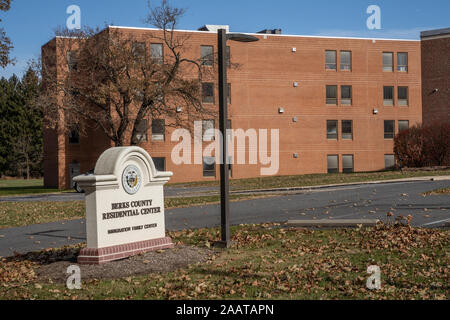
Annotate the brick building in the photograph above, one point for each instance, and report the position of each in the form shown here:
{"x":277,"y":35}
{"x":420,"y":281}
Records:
{"x":337,"y":102}
{"x":436,"y":75}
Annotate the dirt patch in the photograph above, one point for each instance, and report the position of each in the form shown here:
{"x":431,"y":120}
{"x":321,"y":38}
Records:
{"x":150,"y":262}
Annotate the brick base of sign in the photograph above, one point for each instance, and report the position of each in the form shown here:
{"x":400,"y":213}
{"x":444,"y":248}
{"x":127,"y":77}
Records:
{"x":104,"y":255}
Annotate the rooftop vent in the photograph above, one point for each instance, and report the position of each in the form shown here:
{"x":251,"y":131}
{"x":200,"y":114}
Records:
{"x":214,"y":27}
{"x":270,"y":31}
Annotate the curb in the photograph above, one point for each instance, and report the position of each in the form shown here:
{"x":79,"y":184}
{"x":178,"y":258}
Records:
{"x":338,"y":223}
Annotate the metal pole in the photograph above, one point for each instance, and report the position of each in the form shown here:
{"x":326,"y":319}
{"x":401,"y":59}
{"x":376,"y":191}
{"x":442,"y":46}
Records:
{"x":223,"y":117}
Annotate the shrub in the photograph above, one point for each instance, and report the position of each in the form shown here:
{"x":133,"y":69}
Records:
{"x":437,"y":144}
{"x":423,"y":146}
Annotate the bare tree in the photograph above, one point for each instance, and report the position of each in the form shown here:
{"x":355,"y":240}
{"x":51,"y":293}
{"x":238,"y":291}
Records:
{"x":5,"y":42}
{"x":115,"y":81}
{"x":27,"y":155}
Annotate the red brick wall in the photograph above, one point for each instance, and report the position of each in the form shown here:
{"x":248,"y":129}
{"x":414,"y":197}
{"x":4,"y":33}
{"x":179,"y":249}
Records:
{"x":436,"y":75}
{"x":264,"y":82}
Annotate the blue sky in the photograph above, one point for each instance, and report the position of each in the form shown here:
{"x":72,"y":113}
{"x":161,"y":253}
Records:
{"x":30,"y":23}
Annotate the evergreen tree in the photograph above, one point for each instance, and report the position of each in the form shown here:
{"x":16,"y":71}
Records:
{"x":10,"y":102}
{"x":27,"y":144}
{"x":20,"y":126}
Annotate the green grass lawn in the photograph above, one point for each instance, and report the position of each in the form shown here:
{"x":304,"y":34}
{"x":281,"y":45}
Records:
{"x":315,"y":179}
{"x":16,"y":214}
{"x":23,"y":187}
{"x":268,"y":262}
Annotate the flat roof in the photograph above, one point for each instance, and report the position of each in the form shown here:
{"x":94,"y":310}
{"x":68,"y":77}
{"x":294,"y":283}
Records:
{"x":270,"y":35}
{"x":436,"y":32}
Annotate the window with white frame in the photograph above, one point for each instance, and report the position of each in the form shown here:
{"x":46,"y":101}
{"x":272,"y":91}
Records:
{"x":330,"y":60}
{"x":402,"y":96}
{"x":389,"y":161}
{"x":402,"y":61}
{"x":388,"y":61}
{"x":346,"y":60}
{"x":347,"y":129}
{"x":389,"y":129}
{"x":331,"y":95}
{"x":346,"y":95}
{"x":207,"y":55}
{"x":208,"y":130}
{"x":347,"y":163}
{"x":333,"y":163}
{"x":332,"y":127}
{"x":403,"y":125}
{"x":209,"y":166}
{"x":158,"y":130}
{"x":156,"y":52}
{"x":388,"y":96}
{"x":141,"y":131}
{"x":208,"y":92}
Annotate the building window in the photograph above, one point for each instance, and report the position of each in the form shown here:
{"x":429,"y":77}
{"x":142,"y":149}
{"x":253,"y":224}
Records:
{"x":388,"y":61}
{"x":138,"y":50}
{"x":330,"y":60}
{"x":208,"y":130}
{"x":389,"y":161}
{"x":228,"y":132}
{"x":402,"y":62}
{"x":333,"y":164}
{"x":209,"y":166}
{"x":72,"y":63}
{"x":74,"y":135}
{"x":229,"y":93}
{"x":389,"y":129}
{"x":228,"y":57}
{"x":208,"y":92}
{"x":207,"y":55}
{"x":230,"y":166}
{"x":403,"y":125}
{"x":347,"y":129}
{"x":160,"y":163}
{"x":156,"y":52}
{"x":346,"y":60}
{"x":332,"y":132}
{"x":402,"y":96}
{"x":388,"y":96}
{"x":346,"y":95}
{"x":158,"y":130}
{"x":141,"y":131}
{"x":331,"y":95}
{"x":347,"y":163}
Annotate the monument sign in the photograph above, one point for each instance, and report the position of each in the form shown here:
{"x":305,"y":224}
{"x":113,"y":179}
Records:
{"x":124,"y":206}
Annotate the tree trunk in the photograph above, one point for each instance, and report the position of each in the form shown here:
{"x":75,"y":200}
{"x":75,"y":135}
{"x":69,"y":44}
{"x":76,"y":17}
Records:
{"x":28,"y":169}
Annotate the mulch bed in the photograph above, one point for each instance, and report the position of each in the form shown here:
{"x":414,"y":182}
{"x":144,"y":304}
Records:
{"x":151,"y":262}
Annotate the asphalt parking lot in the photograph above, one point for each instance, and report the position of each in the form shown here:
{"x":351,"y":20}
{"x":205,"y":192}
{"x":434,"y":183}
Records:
{"x":369,"y":201}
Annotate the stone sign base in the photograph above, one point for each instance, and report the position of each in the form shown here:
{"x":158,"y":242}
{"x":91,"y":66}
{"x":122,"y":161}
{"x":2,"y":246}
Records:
{"x":104,"y":255}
